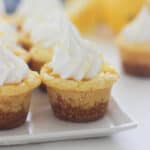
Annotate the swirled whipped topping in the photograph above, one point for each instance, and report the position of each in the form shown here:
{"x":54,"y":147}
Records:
{"x":138,"y":30}
{"x":30,"y":23}
{"x":75,"y":57}
{"x":8,"y":33}
{"x":29,"y":8}
{"x":47,"y":32}
{"x":12,"y":68}
{"x":35,"y":21}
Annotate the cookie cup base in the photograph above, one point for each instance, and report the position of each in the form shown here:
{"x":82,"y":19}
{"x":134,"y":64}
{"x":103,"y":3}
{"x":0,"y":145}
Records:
{"x":140,"y":70}
{"x":135,"y":57}
{"x":14,"y":110}
{"x":79,"y":106}
{"x":36,"y":65}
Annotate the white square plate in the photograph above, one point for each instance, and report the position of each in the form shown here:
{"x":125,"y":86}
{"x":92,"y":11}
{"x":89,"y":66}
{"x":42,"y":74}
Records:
{"x":42,"y":126}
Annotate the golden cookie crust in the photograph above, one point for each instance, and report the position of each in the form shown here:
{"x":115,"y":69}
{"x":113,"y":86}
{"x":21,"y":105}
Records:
{"x":32,"y":81}
{"x":15,"y":101}
{"x":79,"y":101}
{"x":23,"y":54}
{"x":105,"y":79}
{"x":39,"y":57}
{"x":135,"y":57}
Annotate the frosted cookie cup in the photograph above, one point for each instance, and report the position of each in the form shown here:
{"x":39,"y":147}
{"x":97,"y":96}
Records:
{"x":135,"y":57}
{"x":79,"y":101}
{"x":77,"y":79}
{"x":16,"y":85}
{"x":15,"y":101}
{"x":134,"y":45}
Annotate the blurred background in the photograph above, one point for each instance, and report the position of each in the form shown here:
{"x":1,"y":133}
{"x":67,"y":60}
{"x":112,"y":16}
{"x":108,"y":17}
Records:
{"x":88,"y":15}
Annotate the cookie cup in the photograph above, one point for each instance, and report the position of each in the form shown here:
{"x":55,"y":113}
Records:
{"x":79,"y":101}
{"x":17,"y":21}
{"x":20,"y":52}
{"x":15,"y":101}
{"x":135,"y":57}
{"x":39,"y":57}
{"x":25,"y":40}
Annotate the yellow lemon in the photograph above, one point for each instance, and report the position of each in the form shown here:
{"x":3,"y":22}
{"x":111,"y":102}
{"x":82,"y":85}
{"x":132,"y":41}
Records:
{"x":87,"y":14}
{"x":84,"y":14}
{"x":117,"y":13}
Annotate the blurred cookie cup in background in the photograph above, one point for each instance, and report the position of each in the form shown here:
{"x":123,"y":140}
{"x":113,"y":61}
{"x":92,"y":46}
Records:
{"x":9,"y":38}
{"x":134,"y":45}
{"x":45,"y":36}
{"x":30,"y":16}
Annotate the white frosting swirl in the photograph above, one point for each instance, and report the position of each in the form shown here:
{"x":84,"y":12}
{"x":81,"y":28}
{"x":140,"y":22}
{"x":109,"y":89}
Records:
{"x":41,"y":22}
{"x":48,"y":32}
{"x":8,"y":33}
{"x":29,"y":8}
{"x":12,"y":68}
{"x":75,"y":57}
{"x":138,"y":30}
{"x":30,"y":23}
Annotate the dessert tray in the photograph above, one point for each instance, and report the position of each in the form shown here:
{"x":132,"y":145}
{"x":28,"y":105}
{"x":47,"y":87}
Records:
{"x":43,"y":126}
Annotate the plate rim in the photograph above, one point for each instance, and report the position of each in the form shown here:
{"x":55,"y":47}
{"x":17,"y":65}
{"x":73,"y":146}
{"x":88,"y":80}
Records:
{"x":72,"y":134}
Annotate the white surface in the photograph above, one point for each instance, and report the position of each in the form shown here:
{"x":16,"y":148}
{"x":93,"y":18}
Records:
{"x":43,"y":126}
{"x":134,"y":95}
